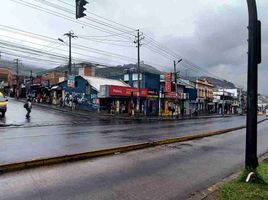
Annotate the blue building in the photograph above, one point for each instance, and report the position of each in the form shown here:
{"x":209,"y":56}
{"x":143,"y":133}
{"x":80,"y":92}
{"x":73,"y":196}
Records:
{"x":149,"y":105}
{"x":150,"y":81}
{"x":85,"y":89}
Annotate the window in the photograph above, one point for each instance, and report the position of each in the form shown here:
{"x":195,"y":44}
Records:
{"x":135,"y":77}
{"x":126,"y":77}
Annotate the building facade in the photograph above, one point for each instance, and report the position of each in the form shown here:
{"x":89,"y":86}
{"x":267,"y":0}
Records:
{"x":204,"y":95}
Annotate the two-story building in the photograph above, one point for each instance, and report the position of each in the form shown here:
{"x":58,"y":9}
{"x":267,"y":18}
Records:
{"x":204,"y":95}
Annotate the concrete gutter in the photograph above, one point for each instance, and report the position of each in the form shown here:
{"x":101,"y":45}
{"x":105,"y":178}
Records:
{"x":110,"y":151}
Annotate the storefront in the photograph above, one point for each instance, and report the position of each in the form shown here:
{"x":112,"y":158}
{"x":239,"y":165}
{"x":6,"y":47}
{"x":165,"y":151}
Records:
{"x":174,"y":104}
{"x":120,"y":99}
{"x":152,"y":103}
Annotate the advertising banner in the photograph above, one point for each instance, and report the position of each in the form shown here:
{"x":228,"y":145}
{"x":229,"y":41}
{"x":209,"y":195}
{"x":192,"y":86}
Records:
{"x":71,"y":81}
{"x":126,"y":91}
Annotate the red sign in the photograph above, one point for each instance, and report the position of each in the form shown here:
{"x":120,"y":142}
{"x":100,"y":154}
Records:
{"x":168,"y":82}
{"x":126,"y":91}
{"x":167,"y":86}
{"x":168,"y":76}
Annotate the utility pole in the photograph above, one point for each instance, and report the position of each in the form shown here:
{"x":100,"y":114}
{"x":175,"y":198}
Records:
{"x":223,"y":102}
{"x":176,"y":84}
{"x":17,"y":77}
{"x":71,"y":35}
{"x":186,"y":74}
{"x":31,"y":77}
{"x":254,"y":58}
{"x":138,"y":40}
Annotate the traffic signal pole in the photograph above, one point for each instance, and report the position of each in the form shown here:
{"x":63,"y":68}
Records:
{"x":254,"y":58}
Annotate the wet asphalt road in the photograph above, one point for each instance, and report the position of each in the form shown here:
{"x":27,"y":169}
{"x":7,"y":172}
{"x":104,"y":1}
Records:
{"x":54,"y":133}
{"x":162,"y":173}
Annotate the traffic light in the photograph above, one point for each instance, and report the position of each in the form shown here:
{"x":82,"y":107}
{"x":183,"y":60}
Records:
{"x":80,"y":8}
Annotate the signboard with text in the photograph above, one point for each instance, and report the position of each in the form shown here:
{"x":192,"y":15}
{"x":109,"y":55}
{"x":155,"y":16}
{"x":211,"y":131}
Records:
{"x":126,"y":91}
{"x":71,"y":81}
{"x":172,"y":95}
{"x":168,"y":77}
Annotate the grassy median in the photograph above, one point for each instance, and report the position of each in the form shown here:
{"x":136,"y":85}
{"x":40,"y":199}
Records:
{"x":239,"y":190}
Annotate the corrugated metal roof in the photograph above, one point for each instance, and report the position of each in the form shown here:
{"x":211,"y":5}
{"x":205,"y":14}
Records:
{"x":96,"y":82}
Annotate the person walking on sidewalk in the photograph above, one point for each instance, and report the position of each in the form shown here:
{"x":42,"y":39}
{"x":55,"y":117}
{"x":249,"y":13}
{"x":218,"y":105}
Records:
{"x":28,"y":107}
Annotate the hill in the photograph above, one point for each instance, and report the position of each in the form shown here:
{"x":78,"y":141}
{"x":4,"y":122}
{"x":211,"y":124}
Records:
{"x":24,"y":70}
{"x":216,"y":82}
{"x":219,"y":83}
{"x":119,"y":70}
{"x":109,"y":71}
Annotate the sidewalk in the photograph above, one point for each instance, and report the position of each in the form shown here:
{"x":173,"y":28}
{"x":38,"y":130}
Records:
{"x":102,"y":115}
{"x":211,"y":193}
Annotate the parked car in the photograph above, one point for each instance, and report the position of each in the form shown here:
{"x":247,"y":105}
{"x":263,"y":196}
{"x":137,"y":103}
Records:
{"x":3,"y":104}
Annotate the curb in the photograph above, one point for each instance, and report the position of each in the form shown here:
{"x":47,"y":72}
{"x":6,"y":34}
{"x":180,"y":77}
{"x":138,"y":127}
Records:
{"x":109,"y":151}
{"x":211,"y":192}
{"x":115,"y":117}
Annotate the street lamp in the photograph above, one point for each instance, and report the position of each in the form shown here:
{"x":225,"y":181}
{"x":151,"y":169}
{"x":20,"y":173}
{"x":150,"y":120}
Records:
{"x":61,"y":40}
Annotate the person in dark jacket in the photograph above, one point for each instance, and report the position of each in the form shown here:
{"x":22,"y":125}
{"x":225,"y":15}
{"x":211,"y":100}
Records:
{"x":28,"y":107}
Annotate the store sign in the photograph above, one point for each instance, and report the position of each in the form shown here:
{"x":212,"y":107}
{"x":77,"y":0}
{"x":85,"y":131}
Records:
{"x":167,"y":86}
{"x":168,"y":78}
{"x":71,"y":81}
{"x":172,"y":95}
{"x":153,"y":94}
{"x":126,"y":91}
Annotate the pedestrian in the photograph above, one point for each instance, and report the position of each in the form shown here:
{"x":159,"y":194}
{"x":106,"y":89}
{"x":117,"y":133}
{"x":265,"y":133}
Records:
{"x":28,"y":107}
{"x":75,"y":102}
{"x":71,"y":102}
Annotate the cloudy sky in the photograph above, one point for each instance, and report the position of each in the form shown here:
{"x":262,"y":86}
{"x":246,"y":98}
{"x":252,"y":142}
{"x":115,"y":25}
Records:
{"x":209,"y":33}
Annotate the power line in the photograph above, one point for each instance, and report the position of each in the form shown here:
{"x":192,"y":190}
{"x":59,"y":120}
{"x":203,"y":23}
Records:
{"x":56,"y":6}
{"x":98,"y":16}
{"x":104,"y":36}
{"x":53,"y":12}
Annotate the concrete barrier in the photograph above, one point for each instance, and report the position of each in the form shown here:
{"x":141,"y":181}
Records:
{"x":109,"y":151}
